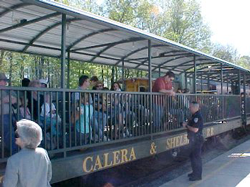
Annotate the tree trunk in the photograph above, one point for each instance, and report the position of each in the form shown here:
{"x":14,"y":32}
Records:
{"x":2,"y":53}
{"x":11,"y":68}
{"x":48,"y":65}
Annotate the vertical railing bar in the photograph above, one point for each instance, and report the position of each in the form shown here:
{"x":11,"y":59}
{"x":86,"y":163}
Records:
{"x":44,"y":116}
{"x":128,"y":116}
{"x":10,"y":121}
{"x":85,"y":116}
{"x":139,"y":113}
{"x":107,"y":115}
{"x":57,"y":131}
{"x":2,"y":116}
{"x":25,"y":104}
{"x":80,"y":117}
{"x":70,"y":124}
{"x":111,"y":116}
{"x":18,"y":105}
{"x":32,"y":104}
{"x":122,"y":110}
{"x":102,"y":111}
{"x":51,"y":127}
{"x":98,"y":116}
{"x":93,"y":119}
{"x":90,"y":118}
{"x":74,"y":114}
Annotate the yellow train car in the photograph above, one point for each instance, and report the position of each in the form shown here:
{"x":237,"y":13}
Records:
{"x":136,"y":84}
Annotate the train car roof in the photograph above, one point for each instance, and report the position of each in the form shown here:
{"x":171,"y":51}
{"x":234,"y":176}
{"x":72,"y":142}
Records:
{"x":34,"y":27}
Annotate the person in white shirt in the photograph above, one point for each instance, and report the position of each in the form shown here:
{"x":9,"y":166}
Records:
{"x":51,"y":121}
{"x":31,"y":166}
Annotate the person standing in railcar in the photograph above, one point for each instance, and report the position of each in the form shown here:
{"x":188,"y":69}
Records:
{"x":162,"y":85}
{"x":194,"y":130}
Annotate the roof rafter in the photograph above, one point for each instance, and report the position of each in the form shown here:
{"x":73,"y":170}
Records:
{"x":116,"y":43}
{"x":29,"y":22}
{"x":137,"y":50}
{"x":87,"y":36}
{"x":12,"y":8}
{"x":44,"y":32}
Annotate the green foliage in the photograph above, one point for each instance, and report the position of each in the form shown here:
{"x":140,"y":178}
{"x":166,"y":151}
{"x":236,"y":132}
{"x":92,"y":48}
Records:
{"x":227,"y":53}
{"x":186,"y":26}
{"x":244,"y":61}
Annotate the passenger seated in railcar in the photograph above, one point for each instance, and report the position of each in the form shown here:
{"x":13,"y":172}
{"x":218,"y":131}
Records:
{"x":7,"y":100}
{"x":205,"y":108}
{"x":82,"y":120}
{"x":179,"y":90}
{"x":44,"y":83}
{"x":93,"y":81}
{"x":182,"y":105}
{"x":115,"y":113}
{"x":100,"y":115}
{"x":25,"y":82}
{"x":136,"y":112}
{"x":35,"y":98}
{"x":186,"y":91}
{"x":48,"y":115}
{"x":116,"y":87}
{"x":84,"y":84}
{"x":143,"y":108}
{"x":24,"y":110}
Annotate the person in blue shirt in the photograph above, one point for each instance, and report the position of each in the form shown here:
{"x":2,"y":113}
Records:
{"x":83,"y":119}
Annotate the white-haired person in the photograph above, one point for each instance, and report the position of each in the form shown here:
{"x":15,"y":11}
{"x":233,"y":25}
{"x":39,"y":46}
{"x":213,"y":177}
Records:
{"x":31,"y":166}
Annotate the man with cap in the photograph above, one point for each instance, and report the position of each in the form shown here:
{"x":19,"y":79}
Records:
{"x":194,"y":130}
{"x":44,"y":83}
{"x":7,"y":98}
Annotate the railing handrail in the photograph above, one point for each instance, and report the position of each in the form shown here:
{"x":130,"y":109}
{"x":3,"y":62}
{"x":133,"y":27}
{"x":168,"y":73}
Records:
{"x":104,"y":91}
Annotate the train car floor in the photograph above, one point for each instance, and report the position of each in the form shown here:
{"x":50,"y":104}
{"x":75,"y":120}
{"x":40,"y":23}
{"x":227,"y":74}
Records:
{"x":228,"y":170}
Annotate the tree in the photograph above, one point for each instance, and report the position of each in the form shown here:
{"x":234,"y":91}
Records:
{"x":244,"y":61}
{"x":186,"y":26}
{"x":87,"y":5}
{"x":227,"y":52}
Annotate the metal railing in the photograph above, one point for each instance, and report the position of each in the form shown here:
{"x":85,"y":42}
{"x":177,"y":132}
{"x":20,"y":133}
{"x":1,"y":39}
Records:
{"x":93,"y":118}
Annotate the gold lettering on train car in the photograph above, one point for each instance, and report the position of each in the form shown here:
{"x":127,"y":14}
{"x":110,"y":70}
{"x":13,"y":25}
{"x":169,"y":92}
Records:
{"x":212,"y":131}
{"x":177,"y":141}
{"x":124,"y":153}
{"x":90,"y":158}
{"x":106,"y":164}
{"x":153,"y":148}
{"x":209,"y":132}
{"x":98,"y":164}
{"x":132,"y":155}
{"x":116,"y":159}
{"x":185,"y":139}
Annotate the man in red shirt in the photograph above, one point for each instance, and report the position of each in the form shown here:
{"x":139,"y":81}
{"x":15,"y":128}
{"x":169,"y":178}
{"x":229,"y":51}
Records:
{"x":164,"y":84}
